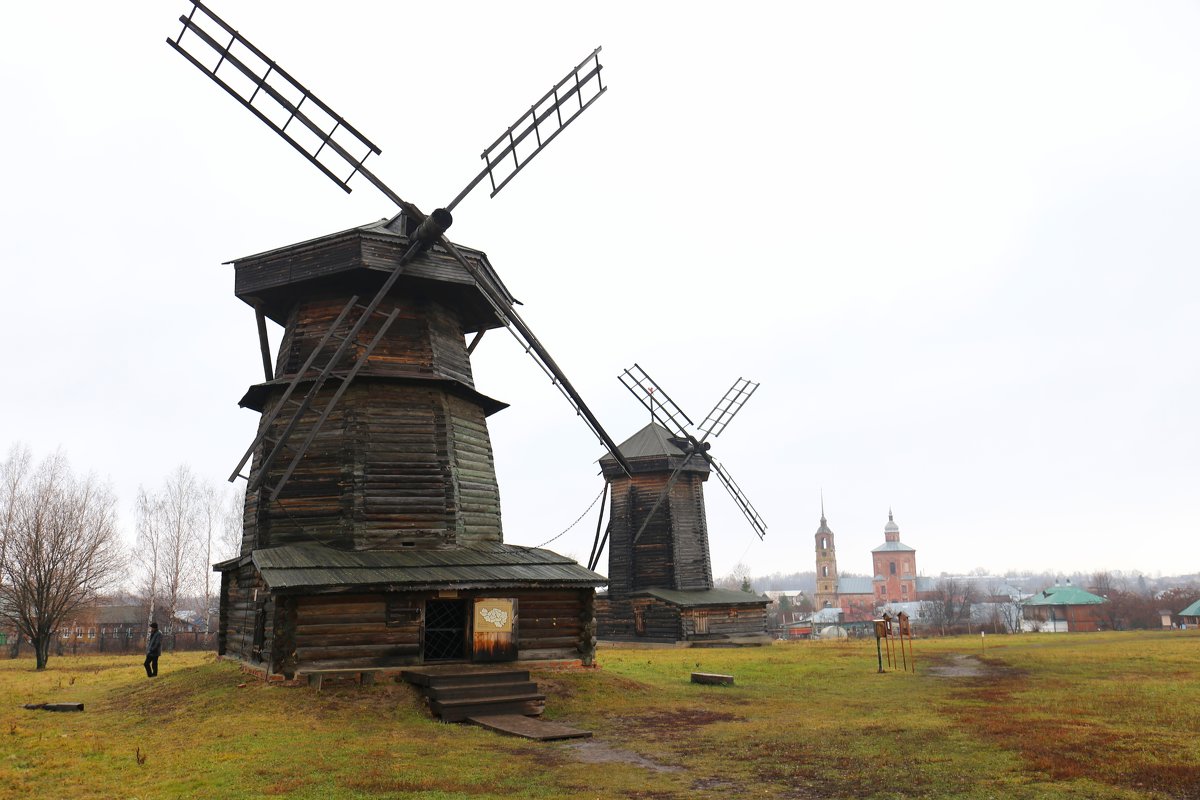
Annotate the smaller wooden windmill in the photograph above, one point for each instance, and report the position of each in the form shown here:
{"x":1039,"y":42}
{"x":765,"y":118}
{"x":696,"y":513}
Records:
{"x":660,"y":574}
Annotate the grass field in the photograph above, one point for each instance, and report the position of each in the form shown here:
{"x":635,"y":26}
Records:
{"x":1038,"y":716}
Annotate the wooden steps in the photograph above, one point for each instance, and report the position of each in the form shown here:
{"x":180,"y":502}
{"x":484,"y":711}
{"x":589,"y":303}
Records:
{"x":455,"y":694}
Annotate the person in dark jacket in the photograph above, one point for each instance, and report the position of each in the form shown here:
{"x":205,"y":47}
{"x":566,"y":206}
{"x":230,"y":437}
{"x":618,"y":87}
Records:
{"x":153,"y":649}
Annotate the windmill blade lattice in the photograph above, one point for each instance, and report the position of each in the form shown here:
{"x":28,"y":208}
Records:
{"x":262,"y":86}
{"x":582,"y":85}
{"x":739,"y":497}
{"x":327,"y":141}
{"x":657,"y":401}
{"x":727,"y":407}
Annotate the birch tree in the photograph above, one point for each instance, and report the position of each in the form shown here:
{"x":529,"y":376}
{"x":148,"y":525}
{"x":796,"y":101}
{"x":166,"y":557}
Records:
{"x":170,"y":528}
{"x":222,"y":527}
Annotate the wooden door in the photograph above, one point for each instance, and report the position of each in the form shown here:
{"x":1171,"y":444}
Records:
{"x":495,"y":629}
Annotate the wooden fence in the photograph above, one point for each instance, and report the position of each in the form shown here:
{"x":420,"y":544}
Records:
{"x":119,"y":643}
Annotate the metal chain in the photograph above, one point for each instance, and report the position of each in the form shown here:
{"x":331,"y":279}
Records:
{"x":577,"y":521}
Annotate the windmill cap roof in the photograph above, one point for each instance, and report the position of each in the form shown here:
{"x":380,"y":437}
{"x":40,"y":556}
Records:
{"x":652,"y":444}
{"x":272,"y":280}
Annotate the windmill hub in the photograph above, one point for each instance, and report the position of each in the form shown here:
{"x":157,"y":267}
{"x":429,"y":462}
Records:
{"x":433,"y":227}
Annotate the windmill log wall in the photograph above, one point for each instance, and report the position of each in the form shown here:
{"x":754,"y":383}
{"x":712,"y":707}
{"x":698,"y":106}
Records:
{"x":653,"y":619}
{"x":395,"y":465}
{"x":672,"y":551}
{"x":641,"y":618}
{"x":425,"y":339}
{"x":247,"y":609}
{"x":382,"y":630}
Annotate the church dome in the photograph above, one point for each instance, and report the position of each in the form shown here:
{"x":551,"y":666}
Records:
{"x":891,"y":531}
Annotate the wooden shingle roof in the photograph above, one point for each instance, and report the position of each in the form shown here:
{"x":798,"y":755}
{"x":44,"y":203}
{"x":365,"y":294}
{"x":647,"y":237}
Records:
{"x":652,"y":449}
{"x":484,"y":566}
{"x":272,"y":280}
{"x":699,"y":598}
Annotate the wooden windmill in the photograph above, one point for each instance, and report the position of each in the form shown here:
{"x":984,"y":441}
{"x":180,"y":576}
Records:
{"x":372,"y":531}
{"x":660,"y":583}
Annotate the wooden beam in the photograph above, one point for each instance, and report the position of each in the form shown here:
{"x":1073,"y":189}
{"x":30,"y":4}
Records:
{"x":263,"y":345}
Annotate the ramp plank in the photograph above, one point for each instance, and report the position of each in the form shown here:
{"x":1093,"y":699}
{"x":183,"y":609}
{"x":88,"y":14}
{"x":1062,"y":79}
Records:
{"x":528,"y":727}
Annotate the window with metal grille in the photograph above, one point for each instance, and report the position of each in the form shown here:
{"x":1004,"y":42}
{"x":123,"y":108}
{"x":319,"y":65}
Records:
{"x":701,"y":621}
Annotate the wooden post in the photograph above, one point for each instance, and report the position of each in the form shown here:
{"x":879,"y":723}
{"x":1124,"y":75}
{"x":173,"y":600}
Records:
{"x":263,"y":345}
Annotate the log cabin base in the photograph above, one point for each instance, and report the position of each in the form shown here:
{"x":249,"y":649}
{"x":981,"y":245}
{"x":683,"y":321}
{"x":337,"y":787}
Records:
{"x":310,"y":613}
{"x":697,"y":618}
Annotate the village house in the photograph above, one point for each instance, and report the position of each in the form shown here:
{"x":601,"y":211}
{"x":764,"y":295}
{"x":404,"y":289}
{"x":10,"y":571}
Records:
{"x":1059,"y":609}
{"x":1190,"y":616}
{"x":103,"y":628}
{"x":789,"y":616}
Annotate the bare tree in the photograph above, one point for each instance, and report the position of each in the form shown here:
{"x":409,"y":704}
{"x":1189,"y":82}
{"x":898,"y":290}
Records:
{"x":62,"y":550}
{"x":146,"y":553}
{"x":170,"y":533}
{"x":232,"y":522}
{"x":949,"y":604}
{"x":13,"y":473}
{"x":737,"y":579}
{"x":221,"y":514}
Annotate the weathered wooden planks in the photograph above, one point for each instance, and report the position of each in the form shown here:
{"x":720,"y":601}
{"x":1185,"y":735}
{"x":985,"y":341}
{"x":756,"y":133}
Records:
{"x":712,"y":679}
{"x":535,"y":728}
{"x":404,"y":460}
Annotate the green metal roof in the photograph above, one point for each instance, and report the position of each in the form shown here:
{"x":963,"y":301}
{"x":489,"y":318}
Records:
{"x":705,"y":597}
{"x":1063,"y":596}
{"x":314,"y":566}
{"x":1191,"y":611}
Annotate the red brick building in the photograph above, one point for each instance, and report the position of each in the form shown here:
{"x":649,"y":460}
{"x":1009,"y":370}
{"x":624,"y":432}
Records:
{"x":894,"y":566}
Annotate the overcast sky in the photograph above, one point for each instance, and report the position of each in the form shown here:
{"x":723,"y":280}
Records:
{"x":956,"y":244}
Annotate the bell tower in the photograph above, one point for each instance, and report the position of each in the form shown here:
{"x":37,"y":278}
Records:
{"x":827,"y":575}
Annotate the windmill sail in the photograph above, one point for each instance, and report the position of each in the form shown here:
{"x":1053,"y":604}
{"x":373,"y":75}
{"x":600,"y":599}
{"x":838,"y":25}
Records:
{"x":327,"y":140}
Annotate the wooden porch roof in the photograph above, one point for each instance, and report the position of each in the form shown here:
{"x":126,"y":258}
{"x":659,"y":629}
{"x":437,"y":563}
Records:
{"x":485,"y":566}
